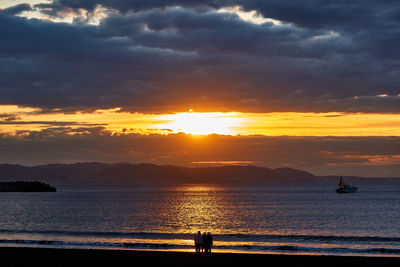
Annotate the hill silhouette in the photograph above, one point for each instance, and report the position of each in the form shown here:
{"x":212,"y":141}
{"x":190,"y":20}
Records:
{"x":151,"y":174}
{"x":145,"y":173}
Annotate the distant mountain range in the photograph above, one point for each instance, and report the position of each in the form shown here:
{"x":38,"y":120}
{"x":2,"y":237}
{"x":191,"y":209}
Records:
{"x":149,"y":174}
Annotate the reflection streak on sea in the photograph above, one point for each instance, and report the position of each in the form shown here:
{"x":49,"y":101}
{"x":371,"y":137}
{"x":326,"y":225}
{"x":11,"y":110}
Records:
{"x":197,"y":208}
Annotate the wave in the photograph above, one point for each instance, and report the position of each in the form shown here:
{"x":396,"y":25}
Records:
{"x":321,"y":238}
{"x":218,"y":237}
{"x":238,"y":248}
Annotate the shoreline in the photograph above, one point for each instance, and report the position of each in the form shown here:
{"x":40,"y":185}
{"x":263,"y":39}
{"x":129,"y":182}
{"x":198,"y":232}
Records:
{"x":23,"y":256}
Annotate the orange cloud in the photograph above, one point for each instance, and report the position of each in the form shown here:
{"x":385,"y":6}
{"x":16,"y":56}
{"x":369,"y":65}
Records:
{"x":203,"y":123}
{"x":375,"y":160}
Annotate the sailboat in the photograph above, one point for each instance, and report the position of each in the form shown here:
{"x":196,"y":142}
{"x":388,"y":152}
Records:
{"x":345,"y":188}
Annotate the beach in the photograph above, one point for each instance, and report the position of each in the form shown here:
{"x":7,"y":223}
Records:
{"x":93,"y":257}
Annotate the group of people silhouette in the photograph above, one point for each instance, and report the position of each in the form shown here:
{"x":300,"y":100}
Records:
{"x":203,"y":242}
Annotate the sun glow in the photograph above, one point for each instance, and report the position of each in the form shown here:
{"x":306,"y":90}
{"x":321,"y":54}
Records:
{"x":201,"y":123}
{"x":22,"y":120}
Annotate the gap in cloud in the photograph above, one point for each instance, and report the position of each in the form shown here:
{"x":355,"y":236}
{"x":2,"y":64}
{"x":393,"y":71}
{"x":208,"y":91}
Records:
{"x":10,"y":3}
{"x":325,"y":36}
{"x":202,"y":123}
{"x":81,"y":15}
{"x":41,"y":10}
{"x":251,"y":16}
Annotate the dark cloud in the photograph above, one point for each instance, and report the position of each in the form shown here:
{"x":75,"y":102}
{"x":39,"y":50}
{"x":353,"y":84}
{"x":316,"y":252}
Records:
{"x":15,"y":10}
{"x":152,"y":56}
{"x":8,"y":118}
{"x":366,"y":156}
{"x":126,"y":6}
{"x":15,"y":121}
{"x":304,"y":13}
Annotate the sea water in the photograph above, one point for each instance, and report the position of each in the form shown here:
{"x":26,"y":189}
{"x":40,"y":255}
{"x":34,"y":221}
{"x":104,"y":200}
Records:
{"x":293,"y":218}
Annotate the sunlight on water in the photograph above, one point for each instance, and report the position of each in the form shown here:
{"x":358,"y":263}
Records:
{"x":197,"y":188}
{"x":197,"y":208}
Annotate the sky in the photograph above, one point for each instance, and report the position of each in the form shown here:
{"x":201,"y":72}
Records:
{"x":308,"y":84}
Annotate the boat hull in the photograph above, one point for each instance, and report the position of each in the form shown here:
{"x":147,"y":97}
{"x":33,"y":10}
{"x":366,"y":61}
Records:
{"x":346,"y":190}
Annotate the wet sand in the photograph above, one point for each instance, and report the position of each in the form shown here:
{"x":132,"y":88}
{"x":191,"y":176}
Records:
{"x":89,"y":257}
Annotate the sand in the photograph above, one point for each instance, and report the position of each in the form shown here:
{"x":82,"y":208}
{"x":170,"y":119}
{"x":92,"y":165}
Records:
{"x":88,"y":257}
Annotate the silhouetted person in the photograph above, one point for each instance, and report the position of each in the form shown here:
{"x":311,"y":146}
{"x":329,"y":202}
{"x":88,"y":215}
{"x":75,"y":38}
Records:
{"x":205,"y":238}
{"x":207,"y":242}
{"x":198,"y":242}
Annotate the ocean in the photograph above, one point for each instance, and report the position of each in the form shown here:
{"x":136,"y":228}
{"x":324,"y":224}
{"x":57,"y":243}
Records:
{"x":284,"y":219}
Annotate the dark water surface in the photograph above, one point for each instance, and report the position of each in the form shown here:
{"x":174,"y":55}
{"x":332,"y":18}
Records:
{"x":306,"y":219}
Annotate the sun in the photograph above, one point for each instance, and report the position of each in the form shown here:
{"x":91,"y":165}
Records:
{"x":201,"y":123}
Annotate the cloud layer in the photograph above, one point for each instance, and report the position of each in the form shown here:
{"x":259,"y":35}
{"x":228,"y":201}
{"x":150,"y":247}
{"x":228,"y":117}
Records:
{"x":363,"y":156}
{"x":166,"y":56}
